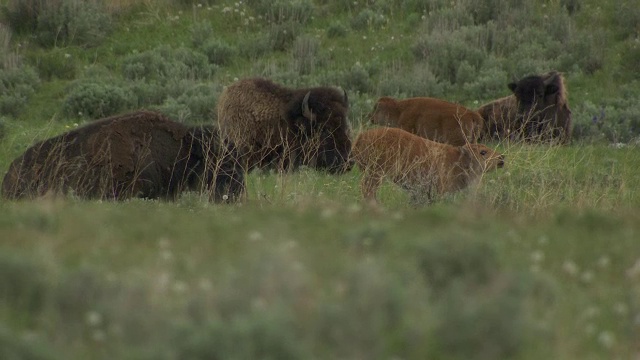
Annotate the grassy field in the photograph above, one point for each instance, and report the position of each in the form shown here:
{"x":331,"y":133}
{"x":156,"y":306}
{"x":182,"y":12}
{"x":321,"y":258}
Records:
{"x":540,"y":261}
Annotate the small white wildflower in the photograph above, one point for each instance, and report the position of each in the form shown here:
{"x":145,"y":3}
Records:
{"x":199,"y":5}
{"x":604,"y":261}
{"x":67,"y":56}
{"x":75,"y":124}
{"x":542,"y":240}
{"x":586,"y":276}
{"x":607,"y":339}
{"x":255,"y":236}
{"x":364,"y":37}
{"x":225,"y":197}
{"x":570,"y":267}
{"x":226,"y":9}
{"x":621,"y":308}
{"x":634,"y":271}
{"x":93,"y":318}
{"x":537,"y":256}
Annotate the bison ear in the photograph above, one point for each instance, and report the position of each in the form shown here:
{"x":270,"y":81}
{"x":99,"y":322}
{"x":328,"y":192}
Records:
{"x":512,"y":86}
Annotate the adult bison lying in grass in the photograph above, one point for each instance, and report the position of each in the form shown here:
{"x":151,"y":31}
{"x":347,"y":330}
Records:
{"x":275,"y":126}
{"x":424,"y":168}
{"x":538,"y":110}
{"x":140,"y":154}
{"x":430,"y":118}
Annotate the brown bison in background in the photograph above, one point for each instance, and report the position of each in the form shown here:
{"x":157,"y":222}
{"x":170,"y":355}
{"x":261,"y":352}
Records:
{"x":538,"y":110}
{"x":430,"y":118}
{"x":140,"y":154}
{"x":424,"y":168}
{"x":275,"y":126}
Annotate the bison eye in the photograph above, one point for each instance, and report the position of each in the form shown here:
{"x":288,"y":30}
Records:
{"x":483,"y":152}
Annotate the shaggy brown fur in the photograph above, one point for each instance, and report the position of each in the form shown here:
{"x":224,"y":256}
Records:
{"x":430,"y":118}
{"x":425,"y":168}
{"x":140,"y":154}
{"x":275,"y":126}
{"x":538,"y":110}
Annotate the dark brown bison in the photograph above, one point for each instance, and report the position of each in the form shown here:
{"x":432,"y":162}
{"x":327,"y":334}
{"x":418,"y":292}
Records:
{"x":538,"y":110}
{"x":424,"y":168}
{"x":275,"y":126}
{"x":140,"y":154}
{"x":430,"y":118}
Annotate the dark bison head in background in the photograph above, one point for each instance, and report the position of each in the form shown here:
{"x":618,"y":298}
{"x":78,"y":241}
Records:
{"x":275,"y":126}
{"x":140,"y":154}
{"x":538,"y":110}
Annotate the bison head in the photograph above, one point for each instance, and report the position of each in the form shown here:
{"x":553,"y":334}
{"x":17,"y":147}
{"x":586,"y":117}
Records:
{"x":319,"y":123}
{"x":541,"y":105}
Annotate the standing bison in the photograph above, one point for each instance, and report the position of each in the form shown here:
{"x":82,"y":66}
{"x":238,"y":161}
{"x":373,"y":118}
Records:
{"x":538,"y":110}
{"x":430,"y":118}
{"x":425,"y":168}
{"x":275,"y":126}
{"x":140,"y":154}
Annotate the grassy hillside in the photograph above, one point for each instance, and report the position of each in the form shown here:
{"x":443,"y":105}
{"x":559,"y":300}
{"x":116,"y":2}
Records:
{"x":539,"y":261}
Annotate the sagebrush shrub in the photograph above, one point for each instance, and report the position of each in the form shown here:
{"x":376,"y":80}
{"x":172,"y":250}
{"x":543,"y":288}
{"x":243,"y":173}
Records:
{"x":16,"y":86}
{"x":56,"y":63}
{"x":336,"y":30}
{"x":284,"y":11}
{"x":305,"y":54}
{"x":96,"y":100}
{"x":219,"y":52}
{"x":72,"y":22}
{"x":165,"y":63}
{"x":281,"y":36}
{"x":417,"y":80}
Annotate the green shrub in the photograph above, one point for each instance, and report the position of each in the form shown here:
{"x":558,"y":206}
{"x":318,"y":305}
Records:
{"x":196,"y":104}
{"x":487,"y":322}
{"x":22,"y":15}
{"x":444,"y":51}
{"x":200,"y":33}
{"x":305,"y":54}
{"x":452,"y":260}
{"x":72,"y":22}
{"x":96,"y":100}
{"x":218,"y":52}
{"x":16,"y":86}
{"x":281,"y":36}
{"x":336,"y":30}
{"x":165,"y":63}
{"x":612,"y":121}
{"x":14,"y":347}
{"x":417,"y":80}
{"x":22,"y":283}
{"x":284,"y":11}
{"x":368,"y":19}
{"x":630,"y":58}
{"x":355,"y":79}
{"x":55,"y":63}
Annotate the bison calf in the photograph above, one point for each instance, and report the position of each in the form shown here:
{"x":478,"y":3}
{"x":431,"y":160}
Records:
{"x":275,"y":126}
{"x":538,"y":110}
{"x":430,"y":118}
{"x":140,"y":154}
{"x":422,"y":167}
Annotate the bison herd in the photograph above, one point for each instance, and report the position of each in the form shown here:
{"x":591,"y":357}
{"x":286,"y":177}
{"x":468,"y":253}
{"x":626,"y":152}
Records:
{"x":427,"y":146}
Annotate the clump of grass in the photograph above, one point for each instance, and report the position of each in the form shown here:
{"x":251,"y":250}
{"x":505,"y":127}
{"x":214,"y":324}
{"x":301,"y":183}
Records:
{"x":72,"y":22}
{"x":305,"y":54}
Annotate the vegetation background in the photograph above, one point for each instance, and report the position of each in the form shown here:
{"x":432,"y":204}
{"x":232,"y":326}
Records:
{"x":541,"y":260}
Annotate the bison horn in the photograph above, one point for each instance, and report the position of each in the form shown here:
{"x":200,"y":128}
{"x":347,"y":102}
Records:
{"x":306,"y":112}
